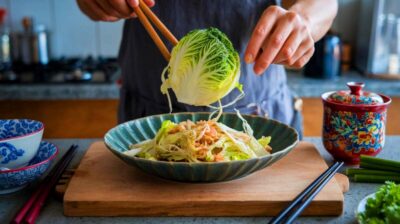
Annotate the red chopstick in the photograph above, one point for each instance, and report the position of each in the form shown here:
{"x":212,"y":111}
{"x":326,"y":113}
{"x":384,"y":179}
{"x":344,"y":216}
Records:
{"x":31,"y":217}
{"x":37,"y":199}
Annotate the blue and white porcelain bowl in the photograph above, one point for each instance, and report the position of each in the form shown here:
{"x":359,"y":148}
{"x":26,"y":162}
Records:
{"x":16,"y":179}
{"x":19,"y":142}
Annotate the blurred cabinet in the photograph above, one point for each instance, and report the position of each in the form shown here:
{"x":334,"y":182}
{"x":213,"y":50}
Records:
{"x":66,"y":118}
{"x":93,"y":118}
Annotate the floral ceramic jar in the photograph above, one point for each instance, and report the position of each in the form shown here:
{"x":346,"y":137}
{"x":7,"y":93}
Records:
{"x":354,"y":123}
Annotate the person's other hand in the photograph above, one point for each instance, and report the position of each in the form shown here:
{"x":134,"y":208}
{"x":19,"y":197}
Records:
{"x":110,"y":10}
{"x":280,"y":37}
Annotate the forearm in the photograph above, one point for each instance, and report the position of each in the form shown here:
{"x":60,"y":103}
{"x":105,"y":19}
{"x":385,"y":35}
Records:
{"x":319,"y":15}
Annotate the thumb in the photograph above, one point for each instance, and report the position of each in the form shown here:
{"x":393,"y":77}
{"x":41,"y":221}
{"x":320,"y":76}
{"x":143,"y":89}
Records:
{"x":133,"y":3}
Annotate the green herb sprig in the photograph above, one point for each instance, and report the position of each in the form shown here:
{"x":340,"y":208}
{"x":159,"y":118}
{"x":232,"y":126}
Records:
{"x":384,"y":207}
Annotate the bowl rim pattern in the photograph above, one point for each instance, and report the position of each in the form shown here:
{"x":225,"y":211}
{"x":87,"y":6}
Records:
{"x":287,"y":148}
{"x":25,"y":135}
{"x":36,"y":164}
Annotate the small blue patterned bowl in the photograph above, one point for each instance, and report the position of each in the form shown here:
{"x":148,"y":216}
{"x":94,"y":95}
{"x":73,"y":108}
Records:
{"x":118,"y":139}
{"x":19,"y":142}
{"x":16,"y":179}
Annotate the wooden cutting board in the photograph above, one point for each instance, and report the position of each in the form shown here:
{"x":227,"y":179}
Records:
{"x":103,"y":185}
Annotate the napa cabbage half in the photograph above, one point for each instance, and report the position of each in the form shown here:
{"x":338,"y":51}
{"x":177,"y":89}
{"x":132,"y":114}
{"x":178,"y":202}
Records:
{"x":204,"y":67}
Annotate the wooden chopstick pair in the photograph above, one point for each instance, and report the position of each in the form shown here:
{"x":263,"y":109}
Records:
{"x":142,"y":11}
{"x":31,"y":209}
{"x":296,"y":207}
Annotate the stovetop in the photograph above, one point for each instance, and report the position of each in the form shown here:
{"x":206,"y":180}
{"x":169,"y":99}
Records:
{"x":63,"y":70}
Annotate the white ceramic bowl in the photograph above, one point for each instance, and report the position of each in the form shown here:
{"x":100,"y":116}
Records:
{"x":19,"y":142}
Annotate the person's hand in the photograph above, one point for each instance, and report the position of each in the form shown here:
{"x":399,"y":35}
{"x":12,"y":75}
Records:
{"x":280,"y":37}
{"x":110,"y":10}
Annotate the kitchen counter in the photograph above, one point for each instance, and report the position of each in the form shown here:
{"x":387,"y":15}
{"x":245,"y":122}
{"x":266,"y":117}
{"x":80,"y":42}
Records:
{"x":64,"y":91}
{"x":304,"y":87}
{"x":310,"y":87}
{"x":53,"y":211}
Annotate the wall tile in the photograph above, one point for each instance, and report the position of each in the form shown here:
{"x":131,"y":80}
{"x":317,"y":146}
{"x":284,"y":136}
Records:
{"x":74,"y":33}
{"x":40,"y":10}
{"x":110,"y":35}
{"x":4,"y":3}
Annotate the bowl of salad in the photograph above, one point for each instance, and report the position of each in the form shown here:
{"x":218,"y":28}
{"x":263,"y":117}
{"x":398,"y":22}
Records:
{"x":190,"y":147}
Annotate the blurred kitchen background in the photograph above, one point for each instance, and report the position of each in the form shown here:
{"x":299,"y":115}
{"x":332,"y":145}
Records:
{"x":59,"y":67}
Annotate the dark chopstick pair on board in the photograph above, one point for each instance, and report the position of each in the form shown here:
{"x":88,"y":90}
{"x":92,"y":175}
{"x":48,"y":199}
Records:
{"x":31,"y":209}
{"x":297,"y":206}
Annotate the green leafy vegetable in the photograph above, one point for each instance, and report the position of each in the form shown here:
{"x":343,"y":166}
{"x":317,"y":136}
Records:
{"x":264,"y":141}
{"x":166,"y":126}
{"x":204,"y":67}
{"x":384,"y":207}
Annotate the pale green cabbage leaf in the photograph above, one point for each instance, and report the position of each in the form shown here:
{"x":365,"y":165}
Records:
{"x":204,"y":67}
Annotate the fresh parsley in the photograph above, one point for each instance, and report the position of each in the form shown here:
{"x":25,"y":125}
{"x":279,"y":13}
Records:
{"x":384,"y":207}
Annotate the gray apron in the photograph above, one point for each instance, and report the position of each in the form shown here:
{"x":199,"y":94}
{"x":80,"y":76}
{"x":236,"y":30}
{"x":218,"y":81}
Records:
{"x":142,"y":63}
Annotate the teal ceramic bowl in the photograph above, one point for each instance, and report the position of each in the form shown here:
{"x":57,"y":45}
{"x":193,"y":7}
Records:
{"x":118,"y":139}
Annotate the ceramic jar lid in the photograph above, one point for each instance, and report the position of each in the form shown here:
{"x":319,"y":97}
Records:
{"x":355,"y":96}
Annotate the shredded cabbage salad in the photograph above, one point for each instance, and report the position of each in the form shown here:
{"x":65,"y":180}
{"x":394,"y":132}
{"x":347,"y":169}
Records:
{"x":203,"y":141}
